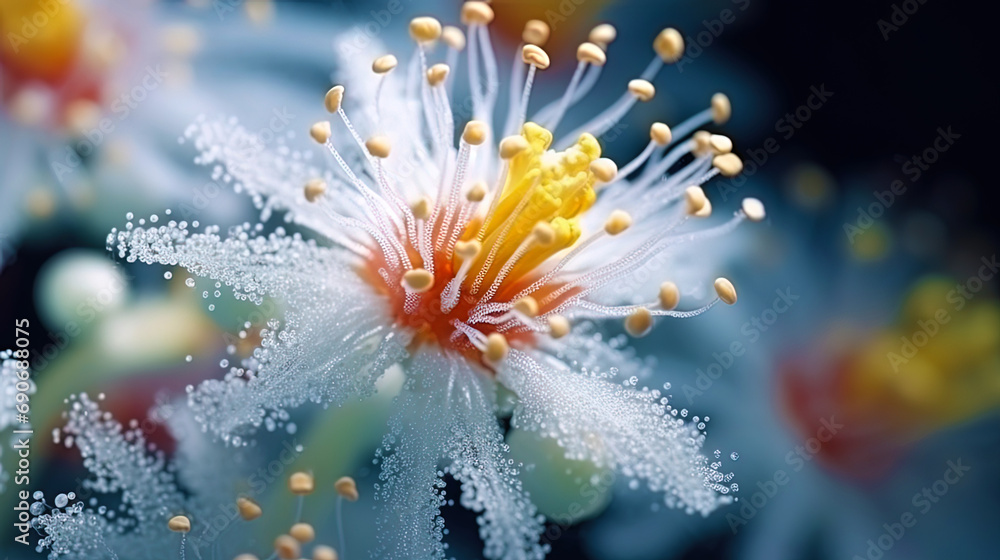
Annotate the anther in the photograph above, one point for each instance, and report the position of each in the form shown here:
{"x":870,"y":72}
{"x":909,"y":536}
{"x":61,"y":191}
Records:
{"x":287,"y":547}
{"x":670,"y":296}
{"x":604,"y":169}
{"x":721,"y":108}
{"x":642,"y":89}
{"x":591,"y":54}
{"x":418,"y":280}
{"x":249,"y":509}
{"x":320,"y":131}
{"x":603,"y":35}
{"x":179,"y":524}
{"x":477,"y":192}
{"x":334,"y":97}
{"x":468,"y":249}
{"x":695,"y":200}
{"x":346,"y":488}
{"x":437,"y":74}
{"x":617,"y":222}
{"x":669,"y":44}
{"x":702,"y":142}
{"x":705,"y":211}
{"x":384,"y":64}
{"x":323,"y":552}
{"x":314,"y":189}
{"x":660,"y":133}
{"x":421,"y":209}
{"x":754,"y":209}
{"x":639,"y":323}
{"x":301,"y":483}
{"x":544,"y":234}
{"x":453,"y":37}
{"x":378,"y":146}
{"x":536,"y":32}
{"x":720,"y":144}
{"x":425,"y":29}
{"x":729,"y":165}
{"x":725,"y":290}
{"x":497,"y":348}
{"x":302,"y":532}
{"x":526,"y":306}
{"x":533,"y":54}
{"x":558,"y":326}
{"x":476,"y":13}
{"x":512,"y":145}
{"x":474,"y":133}
{"x":246,"y":557}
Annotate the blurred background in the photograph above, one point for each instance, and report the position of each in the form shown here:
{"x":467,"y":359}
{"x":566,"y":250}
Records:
{"x":857,"y":380}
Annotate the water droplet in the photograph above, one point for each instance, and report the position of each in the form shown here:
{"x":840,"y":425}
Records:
{"x":129,"y":216}
{"x":189,"y":282}
{"x":734,"y":456}
{"x":223,"y":363}
{"x":188,"y":358}
{"x":168,"y":275}
{"x":211,"y":307}
{"x":154,"y":218}
{"x":38,"y":495}
{"x":61,"y":500}
{"x":37,"y":508}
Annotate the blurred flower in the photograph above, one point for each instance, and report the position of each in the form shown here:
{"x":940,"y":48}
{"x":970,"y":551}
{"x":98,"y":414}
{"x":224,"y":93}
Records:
{"x":472,"y":269}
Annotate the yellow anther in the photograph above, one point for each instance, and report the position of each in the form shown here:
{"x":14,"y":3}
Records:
{"x":378,"y":146}
{"x":320,"y":131}
{"x":334,"y":97}
{"x":302,"y":532}
{"x":425,"y":29}
{"x":417,"y":280}
{"x":249,"y":509}
{"x":694,"y":199}
{"x":617,"y":222}
{"x":453,"y":37}
{"x":497,"y":348}
{"x":479,"y":13}
{"x":421,"y":209}
{"x":705,"y":211}
{"x":591,"y":54}
{"x":604,"y":169}
{"x":287,"y":547}
{"x":474,"y":133}
{"x":346,"y":488}
{"x":558,"y":326}
{"x":477,"y":192}
{"x":468,"y":249}
{"x":384,"y":64}
{"x":536,"y":32}
{"x":670,"y":296}
{"x":720,"y":144}
{"x":527,"y":306}
{"x":603,"y":35}
{"x":642,"y":89}
{"x":702,"y":142}
{"x":669,"y":45}
{"x":639,"y":322}
{"x":179,"y":524}
{"x":729,"y":165}
{"x":436,"y":74}
{"x":301,"y":483}
{"x":247,"y":556}
{"x":323,"y":552}
{"x":754,"y":209}
{"x":725,"y":290}
{"x":721,"y":108}
{"x":660,"y":133}
{"x":512,"y":145}
{"x":544,"y":234}
{"x":533,"y":54}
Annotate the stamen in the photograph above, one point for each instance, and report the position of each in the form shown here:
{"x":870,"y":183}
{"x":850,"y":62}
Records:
{"x":418,"y":280}
{"x":347,"y":488}
{"x":586,"y":54}
{"x":497,"y":348}
{"x":639,"y":323}
{"x":670,"y":296}
{"x":425,"y":30}
{"x":287,"y":548}
{"x":669,"y":48}
{"x":314,"y":189}
{"x":249,"y":509}
{"x":558,"y":326}
{"x":302,"y":532}
{"x":753,"y":209}
{"x":638,"y":90}
{"x":536,"y":59}
{"x":725,"y":290}
{"x":603,"y":35}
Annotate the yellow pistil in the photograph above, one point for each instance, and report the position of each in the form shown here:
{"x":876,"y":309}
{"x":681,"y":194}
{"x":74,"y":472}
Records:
{"x":541,"y":186}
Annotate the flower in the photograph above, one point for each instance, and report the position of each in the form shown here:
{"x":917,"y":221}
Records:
{"x":471,"y":267}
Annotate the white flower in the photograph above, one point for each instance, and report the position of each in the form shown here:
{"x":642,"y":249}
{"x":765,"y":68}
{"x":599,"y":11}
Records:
{"x":465,"y":261}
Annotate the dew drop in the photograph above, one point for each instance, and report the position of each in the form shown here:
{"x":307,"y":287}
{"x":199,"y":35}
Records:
{"x":168,"y":275}
{"x":188,"y":358}
{"x":61,"y":500}
{"x":189,"y":282}
{"x":734,"y":456}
